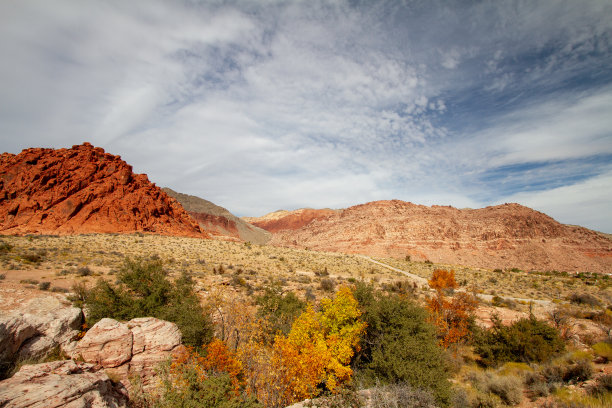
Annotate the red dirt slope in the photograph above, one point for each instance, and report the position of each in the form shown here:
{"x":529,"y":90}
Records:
{"x":83,"y":190}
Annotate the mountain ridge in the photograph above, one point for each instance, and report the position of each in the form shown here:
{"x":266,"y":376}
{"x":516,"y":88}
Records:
{"x":502,"y":236}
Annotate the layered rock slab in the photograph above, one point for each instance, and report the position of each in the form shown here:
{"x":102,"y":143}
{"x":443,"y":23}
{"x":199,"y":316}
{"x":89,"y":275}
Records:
{"x":37,"y":327}
{"x":66,"y":384}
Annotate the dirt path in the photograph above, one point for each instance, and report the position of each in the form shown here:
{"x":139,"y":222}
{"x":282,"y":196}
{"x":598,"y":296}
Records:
{"x":488,"y":298}
{"x":412,"y":276}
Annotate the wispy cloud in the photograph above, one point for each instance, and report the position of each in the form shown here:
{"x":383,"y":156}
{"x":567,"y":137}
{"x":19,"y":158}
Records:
{"x":265,"y":105}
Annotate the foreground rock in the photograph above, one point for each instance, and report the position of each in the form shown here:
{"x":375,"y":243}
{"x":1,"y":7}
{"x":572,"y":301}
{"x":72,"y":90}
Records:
{"x":60,"y":384}
{"x":503,"y":236}
{"x":37,"y":327}
{"x":132,"y":349}
{"x":83,"y":190}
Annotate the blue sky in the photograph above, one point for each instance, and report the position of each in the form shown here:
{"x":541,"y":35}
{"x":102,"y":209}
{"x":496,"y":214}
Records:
{"x":262,"y":105}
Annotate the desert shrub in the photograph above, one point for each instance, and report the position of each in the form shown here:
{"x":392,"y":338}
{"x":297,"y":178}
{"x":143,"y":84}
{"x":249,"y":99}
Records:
{"x":584,"y":299}
{"x":603,"y":350}
{"x":327,"y":285}
{"x":44,"y":285}
{"x":526,"y":340}
{"x":347,"y":397}
{"x":143,"y":290}
{"x":188,"y":386}
{"x":602,"y":385}
{"x":509,"y":389}
{"x":278,"y":310}
{"x":582,"y":370}
{"x":401,"y":395}
{"x":83,"y":271}
{"x":399,"y":345}
{"x":2,"y":276}
{"x":35,"y":257}
{"x":5,"y":247}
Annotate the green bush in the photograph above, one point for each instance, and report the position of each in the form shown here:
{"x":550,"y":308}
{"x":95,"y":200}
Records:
{"x":527,"y":340}
{"x":399,"y":345}
{"x":142,"y":290}
{"x":214,"y":390}
{"x":584,"y":299}
{"x":278,"y":310}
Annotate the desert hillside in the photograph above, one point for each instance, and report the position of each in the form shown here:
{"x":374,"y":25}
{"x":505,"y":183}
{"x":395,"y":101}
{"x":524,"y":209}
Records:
{"x":504,"y":236}
{"x":289,"y":220}
{"x":83,"y":190}
{"x":218,"y":220}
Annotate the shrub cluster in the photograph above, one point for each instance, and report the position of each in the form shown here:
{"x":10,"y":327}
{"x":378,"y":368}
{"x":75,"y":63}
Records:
{"x":526,"y":340}
{"x":143,"y":290}
{"x":399,"y":345}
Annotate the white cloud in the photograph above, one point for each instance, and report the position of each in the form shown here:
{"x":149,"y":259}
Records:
{"x":311,"y":103}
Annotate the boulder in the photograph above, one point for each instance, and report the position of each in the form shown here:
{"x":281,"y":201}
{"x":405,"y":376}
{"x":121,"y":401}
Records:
{"x":108,"y":343}
{"x":37,"y":327}
{"x":132,"y":349}
{"x":66,"y":384}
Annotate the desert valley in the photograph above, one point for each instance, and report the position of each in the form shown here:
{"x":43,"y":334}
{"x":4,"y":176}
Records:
{"x":115,"y":292}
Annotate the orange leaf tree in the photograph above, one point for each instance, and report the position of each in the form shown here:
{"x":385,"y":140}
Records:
{"x":451,"y":317}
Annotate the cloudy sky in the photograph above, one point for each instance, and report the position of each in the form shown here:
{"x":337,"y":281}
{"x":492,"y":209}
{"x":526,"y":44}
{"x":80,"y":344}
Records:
{"x":262,"y":105}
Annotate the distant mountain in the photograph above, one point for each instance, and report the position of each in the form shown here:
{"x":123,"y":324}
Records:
{"x":503,"y":236}
{"x":217,"y":220}
{"x":83,"y":190}
{"x":289,"y":220}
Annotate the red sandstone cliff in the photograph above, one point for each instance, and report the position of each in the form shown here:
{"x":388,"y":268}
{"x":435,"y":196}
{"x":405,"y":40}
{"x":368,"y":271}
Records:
{"x":503,"y":236}
{"x":83,"y":190}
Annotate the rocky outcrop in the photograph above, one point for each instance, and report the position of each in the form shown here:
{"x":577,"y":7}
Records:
{"x":83,"y":190}
{"x":219,"y":221}
{"x":38,"y":327}
{"x":130,"y":349}
{"x":66,"y":384}
{"x":503,"y":236}
{"x":289,"y":220}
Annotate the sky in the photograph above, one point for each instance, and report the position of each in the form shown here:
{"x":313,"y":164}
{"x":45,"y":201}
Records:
{"x":266,"y":105}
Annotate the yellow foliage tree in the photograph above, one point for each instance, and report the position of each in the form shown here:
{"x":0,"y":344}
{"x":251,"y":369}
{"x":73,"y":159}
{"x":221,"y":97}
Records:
{"x":315,"y":354}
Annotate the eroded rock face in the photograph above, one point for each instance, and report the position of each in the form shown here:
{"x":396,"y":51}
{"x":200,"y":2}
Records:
{"x":37,"y":327}
{"x":503,"y":236}
{"x":83,"y":190}
{"x":66,"y":384}
{"x":135,"y":348}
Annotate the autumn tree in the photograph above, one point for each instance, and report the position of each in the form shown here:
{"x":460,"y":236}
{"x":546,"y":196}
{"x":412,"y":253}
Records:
{"x":314,"y":356}
{"x":451,"y":317}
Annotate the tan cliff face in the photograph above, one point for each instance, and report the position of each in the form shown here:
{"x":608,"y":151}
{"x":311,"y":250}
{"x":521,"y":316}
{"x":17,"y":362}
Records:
{"x":504,"y":236}
{"x":83,"y":190}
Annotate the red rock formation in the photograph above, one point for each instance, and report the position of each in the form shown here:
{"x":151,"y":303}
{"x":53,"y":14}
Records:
{"x":503,"y":236}
{"x":83,"y":190}
{"x":289,"y":220}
